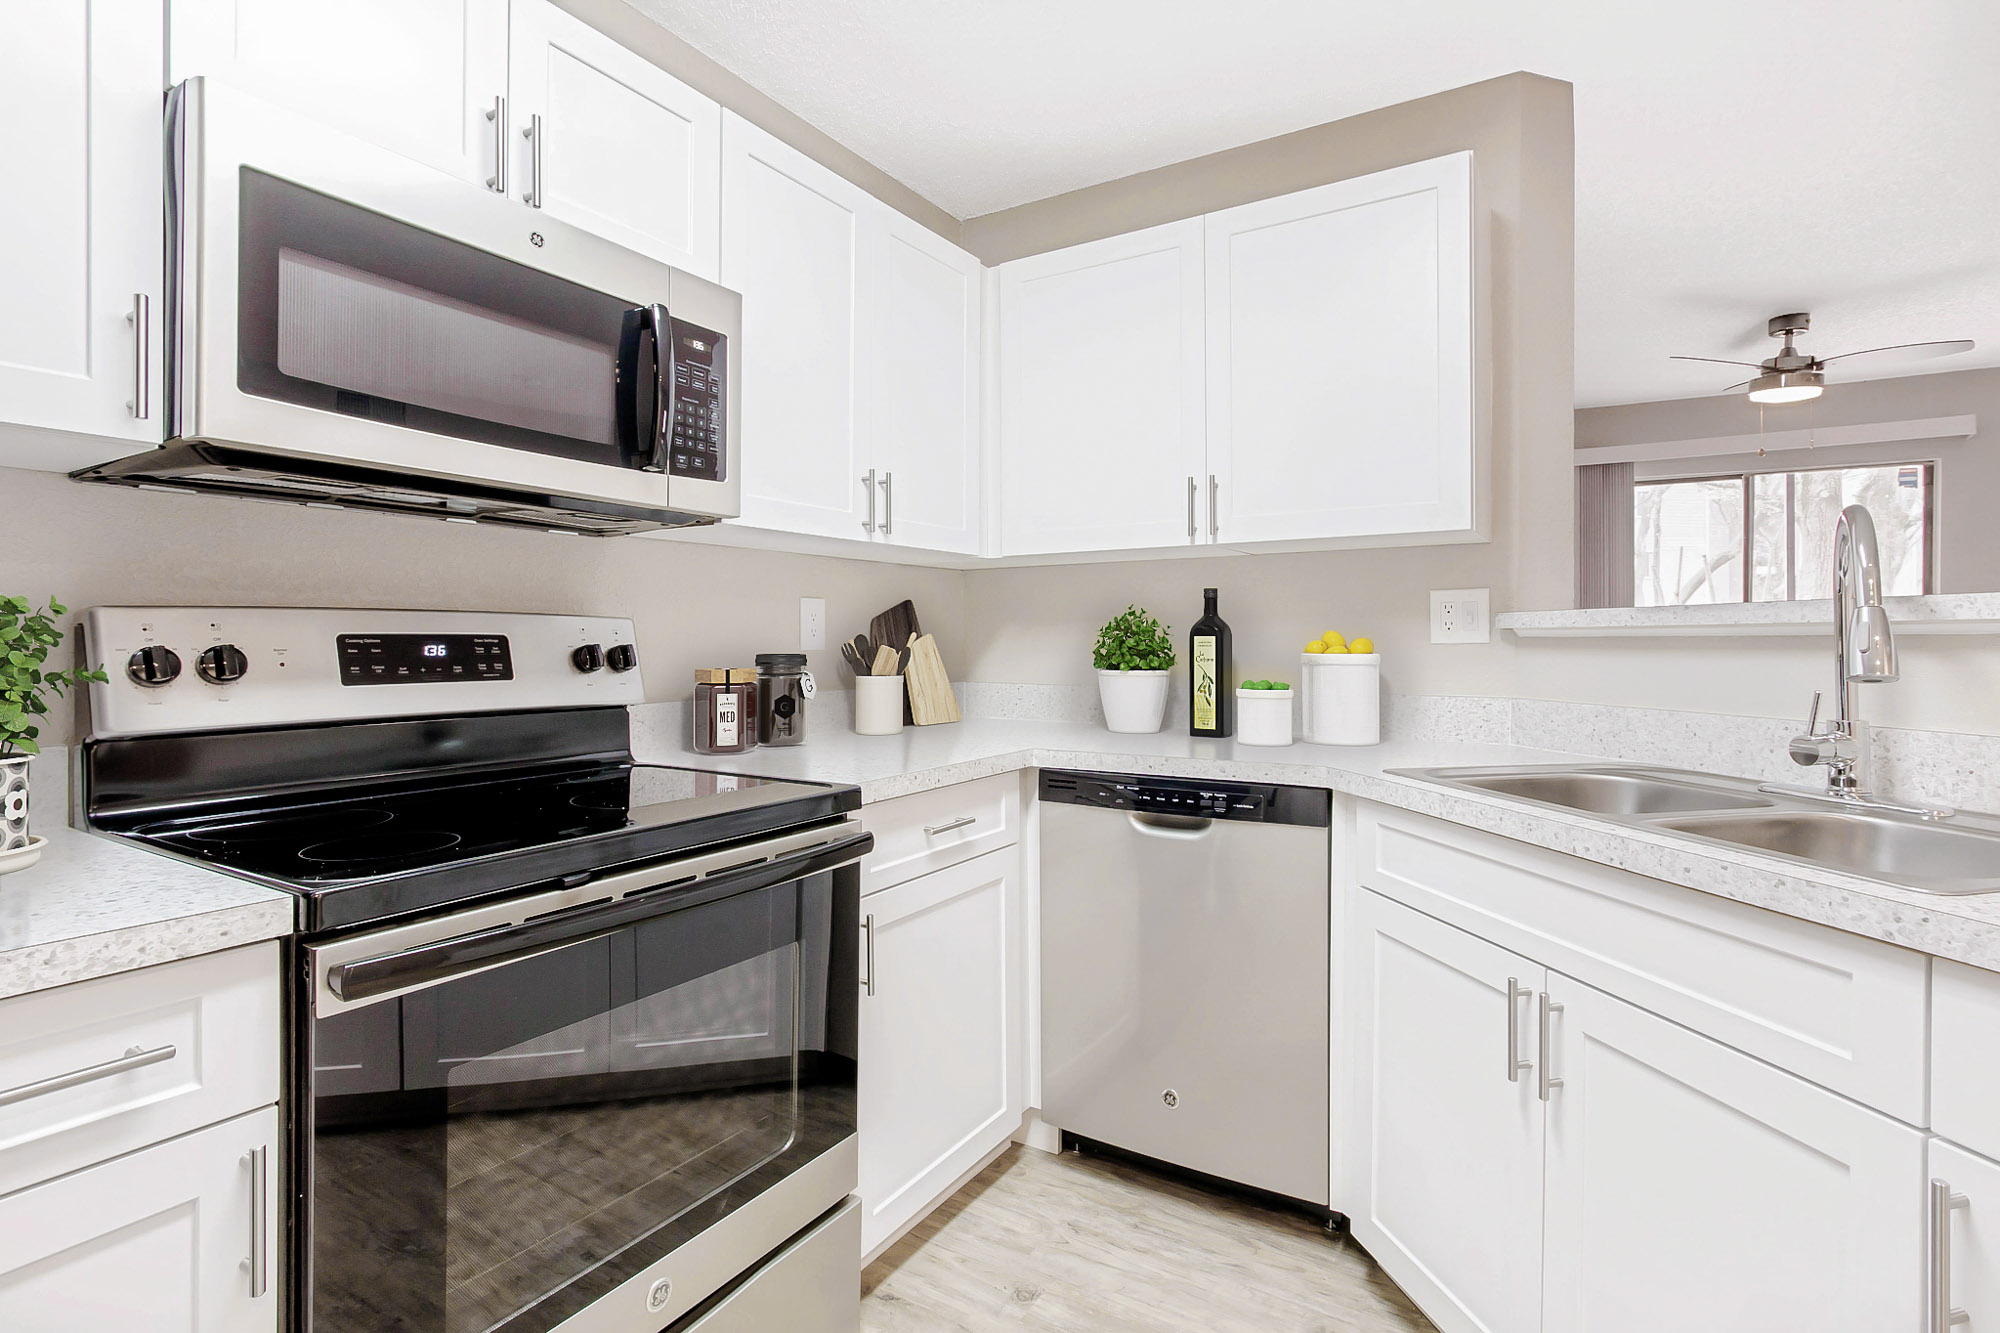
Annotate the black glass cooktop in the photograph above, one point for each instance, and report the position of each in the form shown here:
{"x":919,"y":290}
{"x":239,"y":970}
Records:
{"x":386,"y":850}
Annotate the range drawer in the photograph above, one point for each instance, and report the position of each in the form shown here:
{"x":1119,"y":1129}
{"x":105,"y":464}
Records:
{"x":102,"y":1067}
{"x":1846,"y":1012}
{"x":915,"y":835}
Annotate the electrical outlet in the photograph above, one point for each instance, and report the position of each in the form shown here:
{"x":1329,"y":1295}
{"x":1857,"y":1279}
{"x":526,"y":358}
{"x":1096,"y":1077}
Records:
{"x":1461,"y":615}
{"x":812,"y":622}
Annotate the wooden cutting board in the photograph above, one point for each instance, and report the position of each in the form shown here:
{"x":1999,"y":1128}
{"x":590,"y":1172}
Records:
{"x":931,"y":699}
{"x":898,"y":627}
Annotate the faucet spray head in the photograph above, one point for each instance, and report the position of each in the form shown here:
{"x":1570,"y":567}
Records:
{"x":1871,"y":646}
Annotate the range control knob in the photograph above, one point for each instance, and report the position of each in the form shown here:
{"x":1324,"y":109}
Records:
{"x":621,"y":657}
{"x":221,"y":664}
{"x":154,"y":665}
{"x":588,"y":658}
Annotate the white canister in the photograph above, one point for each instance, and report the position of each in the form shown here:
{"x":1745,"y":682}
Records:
{"x":1343,"y":698}
{"x":1264,"y":717}
{"x":1134,"y":702}
{"x":878,"y":705}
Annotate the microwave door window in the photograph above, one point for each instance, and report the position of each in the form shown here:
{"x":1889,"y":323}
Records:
{"x":351,"y":312}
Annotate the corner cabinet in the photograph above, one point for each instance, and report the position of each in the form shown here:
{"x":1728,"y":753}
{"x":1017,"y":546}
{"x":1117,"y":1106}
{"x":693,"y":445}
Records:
{"x":1341,"y":361}
{"x":80,"y":227}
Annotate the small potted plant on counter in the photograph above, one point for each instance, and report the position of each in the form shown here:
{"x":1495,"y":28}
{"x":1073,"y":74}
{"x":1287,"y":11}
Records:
{"x":1132,"y":657}
{"x":27,"y":637}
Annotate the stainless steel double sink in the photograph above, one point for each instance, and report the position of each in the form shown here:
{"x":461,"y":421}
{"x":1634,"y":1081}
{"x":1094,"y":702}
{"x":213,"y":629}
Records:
{"x":1958,"y":855}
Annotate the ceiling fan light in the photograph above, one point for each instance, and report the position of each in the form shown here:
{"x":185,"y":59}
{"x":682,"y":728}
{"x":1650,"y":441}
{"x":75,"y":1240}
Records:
{"x":1787,"y":386}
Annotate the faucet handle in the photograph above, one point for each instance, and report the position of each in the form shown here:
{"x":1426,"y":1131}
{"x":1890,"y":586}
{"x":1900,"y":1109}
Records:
{"x":1812,"y":715}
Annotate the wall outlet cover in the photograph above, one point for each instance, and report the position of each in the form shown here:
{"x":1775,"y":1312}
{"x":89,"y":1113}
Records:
{"x":812,"y":623}
{"x":1461,"y":615}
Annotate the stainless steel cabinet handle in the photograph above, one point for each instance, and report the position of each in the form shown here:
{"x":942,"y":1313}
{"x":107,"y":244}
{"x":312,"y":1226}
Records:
{"x":497,"y":182}
{"x":1214,"y":520}
{"x":1193,"y":531}
{"x":963,"y":821}
{"x":134,"y":1058}
{"x":868,"y":952}
{"x":259,"y":1159}
{"x":1516,"y":993}
{"x":868,"y":485}
{"x":141,"y":320}
{"x":533,"y":134}
{"x":888,"y":501}
{"x":1547,"y":1011}
{"x":1940,"y":1314}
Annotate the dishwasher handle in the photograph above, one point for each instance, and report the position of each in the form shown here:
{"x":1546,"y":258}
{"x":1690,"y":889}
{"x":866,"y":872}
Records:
{"x":1169,"y":826}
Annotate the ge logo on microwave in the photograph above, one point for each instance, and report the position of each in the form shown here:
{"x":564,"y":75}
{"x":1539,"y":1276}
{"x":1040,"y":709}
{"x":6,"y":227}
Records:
{"x":535,"y":239}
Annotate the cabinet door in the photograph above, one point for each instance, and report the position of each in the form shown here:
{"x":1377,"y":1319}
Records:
{"x":621,"y":147}
{"x":919,"y":297}
{"x":1691,"y":1186}
{"x":418,"y":78}
{"x":791,"y":238}
{"x":82,"y":223}
{"x":165,"y":1238}
{"x":1965,"y":1198}
{"x":1443,"y":1137}
{"x":942,"y":1043}
{"x":1101,"y":395}
{"x":1340,"y":359}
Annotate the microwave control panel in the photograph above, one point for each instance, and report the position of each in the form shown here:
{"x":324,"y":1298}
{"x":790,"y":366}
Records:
{"x":697,"y":448}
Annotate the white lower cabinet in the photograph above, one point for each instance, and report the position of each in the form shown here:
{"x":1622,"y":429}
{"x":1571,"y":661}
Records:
{"x":1963,"y":1234}
{"x":942,"y":1035}
{"x":1445,"y":1133}
{"x":182,"y":1235}
{"x":1690,"y":1186}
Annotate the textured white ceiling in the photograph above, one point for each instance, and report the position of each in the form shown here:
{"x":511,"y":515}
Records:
{"x":1734,"y":160}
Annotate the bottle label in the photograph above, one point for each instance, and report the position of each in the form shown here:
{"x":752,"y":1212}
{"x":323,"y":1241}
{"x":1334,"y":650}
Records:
{"x":1204,"y":684}
{"x":728,"y":720}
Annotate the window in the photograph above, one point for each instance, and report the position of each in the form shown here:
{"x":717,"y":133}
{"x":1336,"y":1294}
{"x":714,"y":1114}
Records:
{"x":1768,"y":536}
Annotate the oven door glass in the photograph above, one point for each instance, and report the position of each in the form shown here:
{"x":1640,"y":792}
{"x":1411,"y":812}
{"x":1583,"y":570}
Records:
{"x":497,"y":1150}
{"x":348,"y":311}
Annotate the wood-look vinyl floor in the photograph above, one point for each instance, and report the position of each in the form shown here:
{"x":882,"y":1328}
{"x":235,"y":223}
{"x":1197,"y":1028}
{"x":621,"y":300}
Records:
{"x":1082,"y":1244}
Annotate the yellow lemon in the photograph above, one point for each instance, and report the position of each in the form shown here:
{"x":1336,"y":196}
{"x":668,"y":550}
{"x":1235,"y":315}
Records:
{"x":1331,"y":637}
{"x":1316,"y":646}
{"x":1361,"y":646}
{"x":1337,"y":648}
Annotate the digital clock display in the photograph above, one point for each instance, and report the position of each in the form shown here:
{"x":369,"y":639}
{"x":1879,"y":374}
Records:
{"x":407,"y":659}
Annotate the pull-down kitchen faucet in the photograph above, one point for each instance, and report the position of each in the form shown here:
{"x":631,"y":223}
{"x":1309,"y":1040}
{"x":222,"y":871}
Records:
{"x":1864,"y":652}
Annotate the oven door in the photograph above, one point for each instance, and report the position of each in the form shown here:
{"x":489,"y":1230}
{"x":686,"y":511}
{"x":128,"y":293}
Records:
{"x":337,"y":302}
{"x":589,"y":1109}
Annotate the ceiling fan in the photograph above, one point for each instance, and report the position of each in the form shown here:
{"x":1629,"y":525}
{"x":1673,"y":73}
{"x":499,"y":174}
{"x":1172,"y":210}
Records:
{"x":1793,"y":376}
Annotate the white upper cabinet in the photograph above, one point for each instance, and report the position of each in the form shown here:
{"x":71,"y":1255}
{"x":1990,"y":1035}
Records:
{"x":791,"y":244}
{"x":919,"y":382}
{"x":607,"y":140}
{"x":1341,"y":360}
{"x":81,"y":226}
{"x":421,"y":79}
{"x":1101,"y":395}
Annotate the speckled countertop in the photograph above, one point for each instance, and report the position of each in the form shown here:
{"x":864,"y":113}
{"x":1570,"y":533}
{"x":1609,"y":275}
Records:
{"x":922,"y":758}
{"x":92,"y":906}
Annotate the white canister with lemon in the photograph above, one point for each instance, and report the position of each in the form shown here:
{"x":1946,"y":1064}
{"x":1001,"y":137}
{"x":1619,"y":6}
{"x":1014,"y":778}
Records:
{"x":1343,"y":701}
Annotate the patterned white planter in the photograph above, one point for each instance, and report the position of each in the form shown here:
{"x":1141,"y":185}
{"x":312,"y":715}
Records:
{"x":13,"y":803}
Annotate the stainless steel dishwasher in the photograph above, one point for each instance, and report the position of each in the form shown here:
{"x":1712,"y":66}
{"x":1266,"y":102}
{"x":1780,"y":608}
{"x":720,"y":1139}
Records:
{"x":1184,"y":973}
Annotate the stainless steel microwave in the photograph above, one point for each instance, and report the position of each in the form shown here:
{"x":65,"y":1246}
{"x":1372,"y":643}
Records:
{"x":349,"y":327}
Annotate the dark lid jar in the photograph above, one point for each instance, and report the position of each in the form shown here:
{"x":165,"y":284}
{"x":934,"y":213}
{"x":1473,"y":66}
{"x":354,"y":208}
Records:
{"x":784,"y":686}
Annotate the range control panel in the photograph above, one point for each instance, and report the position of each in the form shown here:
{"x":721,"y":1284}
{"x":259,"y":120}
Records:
{"x":180,"y":668}
{"x":698,"y":427}
{"x":1190,"y":798}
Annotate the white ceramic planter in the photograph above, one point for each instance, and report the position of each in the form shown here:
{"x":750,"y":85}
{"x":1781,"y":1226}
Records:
{"x":1134,"y":701}
{"x":1264,"y":717}
{"x":13,"y":803}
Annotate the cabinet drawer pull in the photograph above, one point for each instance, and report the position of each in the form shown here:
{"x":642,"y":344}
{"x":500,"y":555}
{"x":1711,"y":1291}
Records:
{"x":1214,"y":514}
{"x":1546,"y":1013}
{"x":963,"y":821}
{"x":1193,"y":531}
{"x":259,"y":1159}
{"x":888,"y":501}
{"x":868,"y":485}
{"x":1941,"y":1315}
{"x":868,"y":952}
{"x":533,"y":134}
{"x":141,"y":320}
{"x":497,"y":182}
{"x":135,"y":1058}
{"x":1516,"y":993}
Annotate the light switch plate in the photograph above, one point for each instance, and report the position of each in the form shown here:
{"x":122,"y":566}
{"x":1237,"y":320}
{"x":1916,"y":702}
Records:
{"x":812,"y":623}
{"x":1461,"y":615}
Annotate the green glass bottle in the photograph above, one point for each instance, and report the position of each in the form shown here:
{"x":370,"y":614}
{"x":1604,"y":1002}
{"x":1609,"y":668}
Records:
{"x":1212,"y":703}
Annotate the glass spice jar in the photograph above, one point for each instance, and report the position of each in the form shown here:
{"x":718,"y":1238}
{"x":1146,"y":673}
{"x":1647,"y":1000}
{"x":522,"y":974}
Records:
{"x":725,"y":710}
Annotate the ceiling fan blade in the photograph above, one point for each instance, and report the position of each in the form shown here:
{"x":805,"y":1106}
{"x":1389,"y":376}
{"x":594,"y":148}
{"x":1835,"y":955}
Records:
{"x":1734,"y":387}
{"x":1906,"y":351}
{"x":1718,"y":361}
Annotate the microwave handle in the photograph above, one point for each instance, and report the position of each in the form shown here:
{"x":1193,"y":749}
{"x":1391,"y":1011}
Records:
{"x":646,"y":442}
{"x":443,"y":960}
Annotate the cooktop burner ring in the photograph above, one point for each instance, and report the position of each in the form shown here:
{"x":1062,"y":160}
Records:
{"x":391,"y":846}
{"x":287,"y":828}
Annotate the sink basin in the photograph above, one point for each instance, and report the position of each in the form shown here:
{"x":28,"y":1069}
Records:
{"x":1934,"y":857}
{"x":1627,"y":793}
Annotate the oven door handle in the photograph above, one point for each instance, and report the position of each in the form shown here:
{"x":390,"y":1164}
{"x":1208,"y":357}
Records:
{"x":444,"y":960}
{"x":645,"y":444}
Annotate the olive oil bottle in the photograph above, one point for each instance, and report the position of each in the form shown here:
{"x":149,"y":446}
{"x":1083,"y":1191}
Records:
{"x":1212,"y":705}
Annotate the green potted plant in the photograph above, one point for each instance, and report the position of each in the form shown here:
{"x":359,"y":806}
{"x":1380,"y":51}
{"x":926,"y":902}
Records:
{"x":1133,"y":655}
{"x":27,"y":637}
